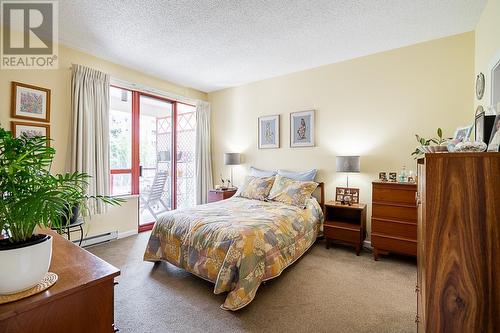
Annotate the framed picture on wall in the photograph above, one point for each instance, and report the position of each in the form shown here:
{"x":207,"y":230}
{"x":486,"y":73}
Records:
{"x":302,"y":129}
{"x":19,"y":128}
{"x":269,"y":132}
{"x":30,"y":102}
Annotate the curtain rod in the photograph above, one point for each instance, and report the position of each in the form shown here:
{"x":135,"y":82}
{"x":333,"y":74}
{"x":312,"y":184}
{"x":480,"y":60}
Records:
{"x":146,"y":89}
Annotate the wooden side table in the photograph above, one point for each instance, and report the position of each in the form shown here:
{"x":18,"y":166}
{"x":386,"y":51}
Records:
{"x":345,"y":223}
{"x":218,"y":195}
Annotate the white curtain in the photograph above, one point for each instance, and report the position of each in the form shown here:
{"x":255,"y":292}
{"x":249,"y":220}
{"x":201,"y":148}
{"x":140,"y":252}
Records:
{"x":203,"y":154}
{"x":90,"y":130}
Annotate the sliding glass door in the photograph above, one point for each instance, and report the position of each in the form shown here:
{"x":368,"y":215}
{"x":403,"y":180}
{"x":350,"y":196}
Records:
{"x":152,"y":144}
{"x":155,"y":158}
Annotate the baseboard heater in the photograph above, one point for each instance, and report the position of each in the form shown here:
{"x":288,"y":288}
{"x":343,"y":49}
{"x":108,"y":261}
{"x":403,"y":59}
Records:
{"x":98,"y":239}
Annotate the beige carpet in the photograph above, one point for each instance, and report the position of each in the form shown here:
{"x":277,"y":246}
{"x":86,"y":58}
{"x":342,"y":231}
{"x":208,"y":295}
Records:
{"x":325,"y":291}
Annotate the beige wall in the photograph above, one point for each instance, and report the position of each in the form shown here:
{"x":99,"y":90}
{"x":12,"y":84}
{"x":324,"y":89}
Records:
{"x":124,"y":218}
{"x":371,"y":106}
{"x":487,"y":46}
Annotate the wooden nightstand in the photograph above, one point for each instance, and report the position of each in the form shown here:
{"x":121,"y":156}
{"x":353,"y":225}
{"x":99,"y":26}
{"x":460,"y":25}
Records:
{"x":218,"y":195}
{"x":345,"y":223}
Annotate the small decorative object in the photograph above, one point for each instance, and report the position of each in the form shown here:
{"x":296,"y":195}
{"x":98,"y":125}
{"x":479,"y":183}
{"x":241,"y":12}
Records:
{"x":30,"y":102}
{"x":223,"y":186}
{"x":433,"y":145}
{"x":30,"y":130}
{"x":348,"y":164}
{"x":382,"y":176}
{"x":393,"y":177}
{"x":411,"y":177}
{"x":480,"y":86}
{"x":483,"y":125}
{"x":231,"y":159}
{"x":470,"y":146}
{"x":347,"y":195}
{"x":403,"y":177}
{"x":494,"y":144}
{"x":302,"y":129}
{"x":269,"y":132}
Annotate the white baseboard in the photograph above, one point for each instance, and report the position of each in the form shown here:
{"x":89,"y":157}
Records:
{"x":127,"y":233}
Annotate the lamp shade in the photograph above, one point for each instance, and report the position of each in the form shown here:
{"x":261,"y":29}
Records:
{"x":348,"y":164}
{"x":231,"y":158}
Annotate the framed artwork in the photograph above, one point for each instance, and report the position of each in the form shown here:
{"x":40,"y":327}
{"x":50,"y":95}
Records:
{"x":347,"y":194}
{"x":30,"y":129}
{"x":269,"y":132}
{"x":494,"y":144}
{"x":30,"y":102}
{"x":302,"y":129}
{"x":462,"y":133}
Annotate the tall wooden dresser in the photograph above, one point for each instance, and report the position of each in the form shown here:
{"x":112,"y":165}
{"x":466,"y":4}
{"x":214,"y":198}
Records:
{"x":394,"y":218}
{"x":458,"y":278}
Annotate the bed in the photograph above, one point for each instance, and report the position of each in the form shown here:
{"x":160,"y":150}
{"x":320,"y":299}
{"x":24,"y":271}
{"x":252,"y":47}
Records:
{"x":236,"y":243}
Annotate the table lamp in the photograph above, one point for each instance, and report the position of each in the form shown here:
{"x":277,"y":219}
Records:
{"x":348,"y":164}
{"x":232,"y":159}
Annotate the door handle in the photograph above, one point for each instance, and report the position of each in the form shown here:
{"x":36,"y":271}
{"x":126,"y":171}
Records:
{"x":140,"y":170}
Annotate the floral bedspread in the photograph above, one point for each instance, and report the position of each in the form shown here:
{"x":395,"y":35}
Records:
{"x":235,"y":243}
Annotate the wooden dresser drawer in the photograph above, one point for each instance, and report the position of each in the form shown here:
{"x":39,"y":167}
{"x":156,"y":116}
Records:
{"x":394,"y":212}
{"x":395,"y":228}
{"x":400,"y":245}
{"x":403,"y":194}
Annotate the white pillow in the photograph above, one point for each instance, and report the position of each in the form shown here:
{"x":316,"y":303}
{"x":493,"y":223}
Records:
{"x":254,"y":172}
{"x":305,"y":176}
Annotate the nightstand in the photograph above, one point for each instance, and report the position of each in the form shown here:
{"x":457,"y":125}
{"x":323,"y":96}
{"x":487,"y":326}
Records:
{"x":218,"y":195}
{"x":345,"y":223}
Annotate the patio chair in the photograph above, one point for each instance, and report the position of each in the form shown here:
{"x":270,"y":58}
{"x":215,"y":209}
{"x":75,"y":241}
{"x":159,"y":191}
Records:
{"x":154,"y":197}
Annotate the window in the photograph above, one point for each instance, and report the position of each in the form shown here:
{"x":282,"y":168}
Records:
{"x":152,"y":151}
{"x":120,"y":137}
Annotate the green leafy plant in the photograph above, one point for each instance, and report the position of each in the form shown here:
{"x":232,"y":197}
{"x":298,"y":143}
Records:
{"x":30,"y":195}
{"x":429,"y":142}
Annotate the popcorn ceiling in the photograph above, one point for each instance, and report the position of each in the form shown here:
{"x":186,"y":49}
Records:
{"x":211,"y":45}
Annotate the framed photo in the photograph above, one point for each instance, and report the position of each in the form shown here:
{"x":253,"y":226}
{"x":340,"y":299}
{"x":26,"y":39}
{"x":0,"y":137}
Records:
{"x":462,"y":133}
{"x":494,"y":144}
{"x":30,"y":102}
{"x":30,"y":129}
{"x":393,"y":177}
{"x":302,"y":129}
{"x":269,"y":132}
{"x":382,"y":176}
{"x":347,"y":194}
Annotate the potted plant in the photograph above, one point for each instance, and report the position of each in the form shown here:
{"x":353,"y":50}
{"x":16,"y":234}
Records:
{"x":32,"y":197}
{"x":433,"y":145}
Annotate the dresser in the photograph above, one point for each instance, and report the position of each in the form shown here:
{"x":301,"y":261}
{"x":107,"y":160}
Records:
{"x":458,"y":275}
{"x":394,"y":218}
{"x":82,"y":300}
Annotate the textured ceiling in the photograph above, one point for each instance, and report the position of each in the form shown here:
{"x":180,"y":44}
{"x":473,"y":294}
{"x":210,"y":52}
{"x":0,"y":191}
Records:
{"x":210,"y":44}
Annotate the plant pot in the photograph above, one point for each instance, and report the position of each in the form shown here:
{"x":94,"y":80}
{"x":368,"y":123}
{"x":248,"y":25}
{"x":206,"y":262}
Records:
{"x":23,"y":265}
